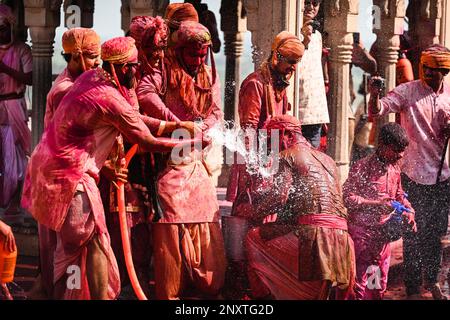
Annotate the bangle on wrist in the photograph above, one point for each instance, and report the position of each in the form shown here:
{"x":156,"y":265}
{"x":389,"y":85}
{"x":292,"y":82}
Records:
{"x":162,"y":126}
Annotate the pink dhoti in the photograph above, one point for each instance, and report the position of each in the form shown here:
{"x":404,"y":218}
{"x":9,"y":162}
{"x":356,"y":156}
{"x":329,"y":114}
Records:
{"x":81,"y":226}
{"x":273,"y":269}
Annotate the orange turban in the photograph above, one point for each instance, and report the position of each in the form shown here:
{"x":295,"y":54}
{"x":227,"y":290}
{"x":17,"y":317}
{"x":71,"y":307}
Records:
{"x":120,"y":50}
{"x":288,"y":45}
{"x":179,"y":12}
{"x":6,"y":15}
{"x":284,"y":123}
{"x":80,"y":41}
{"x":436,"y":57}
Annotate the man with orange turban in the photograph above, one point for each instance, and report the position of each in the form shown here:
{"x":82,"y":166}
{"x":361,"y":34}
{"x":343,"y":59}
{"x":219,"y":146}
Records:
{"x":175,"y":14}
{"x":425,"y":115}
{"x":262,"y":96}
{"x":187,"y":240}
{"x":61,"y":190}
{"x":15,"y":136}
{"x":82,"y":52}
{"x":308,"y":248}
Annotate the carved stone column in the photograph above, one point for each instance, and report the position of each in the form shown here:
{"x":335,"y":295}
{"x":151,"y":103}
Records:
{"x":233,"y":25}
{"x":340,"y":22}
{"x":425,"y":26}
{"x":86,"y":12}
{"x":42,"y":17}
{"x":132,"y":8}
{"x":388,"y":43}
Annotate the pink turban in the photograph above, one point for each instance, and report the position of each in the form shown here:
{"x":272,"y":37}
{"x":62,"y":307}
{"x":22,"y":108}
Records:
{"x":137,"y":26}
{"x":284,"y":123}
{"x":6,"y":15}
{"x":190,"y":33}
{"x":119,"y":50}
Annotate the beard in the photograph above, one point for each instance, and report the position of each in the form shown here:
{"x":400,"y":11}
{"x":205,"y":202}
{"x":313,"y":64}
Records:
{"x":129,"y":80}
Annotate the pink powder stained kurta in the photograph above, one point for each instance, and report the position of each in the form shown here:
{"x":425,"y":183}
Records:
{"x":423,"y":115}
{"x":47,"y":237}
{"x":149,"y":93}
{"x":15,"y":136}
{"x":186,"y":191}
{"x":69,"y":157}
{"x":370,"y":179}
{"x":59,"y":89}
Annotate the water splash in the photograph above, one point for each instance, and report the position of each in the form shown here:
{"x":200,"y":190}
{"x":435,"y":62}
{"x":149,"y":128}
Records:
{"x":255,"y":156}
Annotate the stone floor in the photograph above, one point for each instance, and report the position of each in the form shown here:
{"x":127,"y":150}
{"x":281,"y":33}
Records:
{"x":27,"y":263}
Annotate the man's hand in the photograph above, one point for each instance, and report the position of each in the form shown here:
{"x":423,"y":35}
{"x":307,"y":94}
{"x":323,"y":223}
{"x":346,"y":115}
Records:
{"x":374,"y":88}
{"x":307,"y":31}
{"x":409,"y":216}
{"x":112,"y":175}
{"x":192,"y":127}
{"x":10,"y":242}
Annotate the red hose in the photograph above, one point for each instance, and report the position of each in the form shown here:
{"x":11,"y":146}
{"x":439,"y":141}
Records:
{"x":124,"y":232}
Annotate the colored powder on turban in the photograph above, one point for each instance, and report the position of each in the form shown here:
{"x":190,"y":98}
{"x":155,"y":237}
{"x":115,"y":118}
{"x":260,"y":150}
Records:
{"x":288,"y":45}
{"x":435,"y":57}
{"x":6,"y":15}
{"x":176,"y":13}
{"x":137,"y":27}
{"x":120,"y":50}
{"x":81,"y":41}
{"x":155,"y":33}
{"x":192,"y":33}
{"x":284,"y":123}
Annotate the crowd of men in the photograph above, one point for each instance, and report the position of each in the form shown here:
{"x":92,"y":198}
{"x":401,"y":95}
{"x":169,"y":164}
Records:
{"x":306,"y":236}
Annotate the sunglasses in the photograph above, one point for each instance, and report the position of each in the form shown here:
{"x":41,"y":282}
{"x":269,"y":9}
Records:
{"x":133,"y":64}
{"x":287,"y":60}
{"x":314,"y":3}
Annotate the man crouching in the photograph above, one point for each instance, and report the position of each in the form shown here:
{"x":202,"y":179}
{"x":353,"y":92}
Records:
{"x":308,"y":249}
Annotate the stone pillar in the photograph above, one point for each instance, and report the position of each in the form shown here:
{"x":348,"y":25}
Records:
{"x":132,"y":8}
{"x":87,"y":12}
{"x":42,"y":17}
{"x":265,"y":19}
{"x":445,"y":24}
{"x":233,"y":26}
{"x":388,"y":43}
{"x":425,"y":26}
{"x":340,"y":22}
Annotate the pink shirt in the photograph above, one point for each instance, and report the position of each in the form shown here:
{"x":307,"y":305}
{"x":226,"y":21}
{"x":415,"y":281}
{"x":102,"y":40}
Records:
{"x":60,"y":87}
{"x":423,"y":114}
{"x":75,"y":146}
{"x":371,"y":179}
